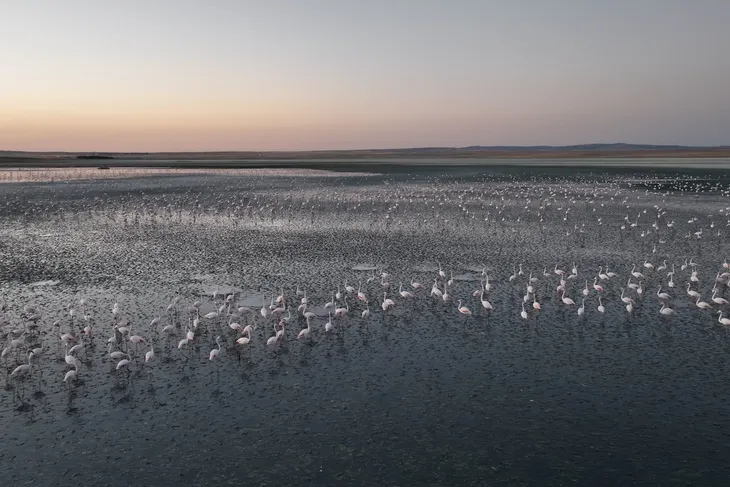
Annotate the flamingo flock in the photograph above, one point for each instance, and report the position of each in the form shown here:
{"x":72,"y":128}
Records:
{"x":293,"y":316}
{"x":545,"y":253}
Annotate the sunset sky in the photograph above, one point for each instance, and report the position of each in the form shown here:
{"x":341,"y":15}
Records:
{"x":184,"y":75}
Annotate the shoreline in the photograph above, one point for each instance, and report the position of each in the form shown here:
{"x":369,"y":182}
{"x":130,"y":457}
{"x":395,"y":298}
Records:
{"x":354,"y":155}
{"x":378,"y":161}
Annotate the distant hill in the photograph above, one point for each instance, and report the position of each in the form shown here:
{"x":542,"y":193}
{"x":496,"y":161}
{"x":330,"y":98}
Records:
{"x":588,"y":147}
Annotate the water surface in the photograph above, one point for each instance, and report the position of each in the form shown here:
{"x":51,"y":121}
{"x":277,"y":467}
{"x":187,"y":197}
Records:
{"x":417,"y":395}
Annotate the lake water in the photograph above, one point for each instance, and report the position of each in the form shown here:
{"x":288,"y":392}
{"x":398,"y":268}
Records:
{"x":420,"y":394}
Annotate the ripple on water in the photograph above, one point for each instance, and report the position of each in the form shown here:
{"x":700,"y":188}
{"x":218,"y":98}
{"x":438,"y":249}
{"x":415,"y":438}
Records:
{"x":364,"y":267}
{"x":45,"y":283}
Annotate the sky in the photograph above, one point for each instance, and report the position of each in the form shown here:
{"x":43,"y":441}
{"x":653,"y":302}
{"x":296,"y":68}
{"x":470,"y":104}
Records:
{"x":218,"y":75}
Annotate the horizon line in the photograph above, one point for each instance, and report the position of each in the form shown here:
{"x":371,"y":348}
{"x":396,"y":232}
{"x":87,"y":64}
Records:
{"x":422,"y":148}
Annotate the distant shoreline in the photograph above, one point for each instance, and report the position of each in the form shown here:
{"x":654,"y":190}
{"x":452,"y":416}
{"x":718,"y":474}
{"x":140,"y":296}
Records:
{"x":584,"y":156}
{"x":83,"y":158}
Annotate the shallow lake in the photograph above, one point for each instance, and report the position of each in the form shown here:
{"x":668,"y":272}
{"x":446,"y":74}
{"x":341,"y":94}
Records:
{"x":422,"y":393}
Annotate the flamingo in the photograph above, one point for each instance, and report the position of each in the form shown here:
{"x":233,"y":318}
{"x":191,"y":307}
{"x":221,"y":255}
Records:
{"x":435,"y":291}
{"x":234,"y":326}
{"x":446,"y":296}
{"x":597,"y":286}
{"x":361,"y":295}
{"x":22,"y":370}
{"x":340,"y":312}
{"x":71,"y":375}
{"x":214,"y":353}
{"x":702,"y":304}
{"x":304,"y":333}
{"x":387,"y":302}
{"x":662,"y":296}
{"x":67,"y":338}
{"x":530,"y":289}
{"x":150,"y":355}
{"x":136,"y":339}
{"x":116,"y":355}
{"x":349,"y":289}
{"x":245,"y":340}
{"x":404,"y":294}
{"x":70,"y":359}
{"x":602,"y":275}
{"x":666,"y":310}
{"x":721,"y":320}
{"x":636,"y":273}
{"x":184,"y":342}
{"x":463,"y":309}
{"x":625,"y":299}
{"x":274,"y":339}
{"x":718,"y":300}
{"x":331,"y":302}
{"x":691,"y":292}
{"x":485,"y":304}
